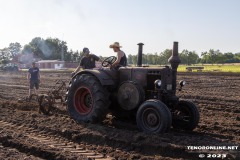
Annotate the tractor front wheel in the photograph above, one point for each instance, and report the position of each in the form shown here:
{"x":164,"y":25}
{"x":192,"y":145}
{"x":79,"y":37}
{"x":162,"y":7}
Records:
{"x":87,"y":99}
{"x":153,"y":116}
{"x":186,"y":116}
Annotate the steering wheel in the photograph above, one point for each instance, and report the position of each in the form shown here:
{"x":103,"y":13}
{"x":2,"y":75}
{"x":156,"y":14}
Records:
{"x":109,"y":61}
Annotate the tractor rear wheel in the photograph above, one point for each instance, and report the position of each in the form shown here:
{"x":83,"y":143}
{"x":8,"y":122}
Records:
{"x":186,"y":116}
{"x":87,"y":100}
{"x":153,"y":116}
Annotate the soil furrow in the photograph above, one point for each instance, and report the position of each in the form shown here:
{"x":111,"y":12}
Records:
{"x":53,"y":136}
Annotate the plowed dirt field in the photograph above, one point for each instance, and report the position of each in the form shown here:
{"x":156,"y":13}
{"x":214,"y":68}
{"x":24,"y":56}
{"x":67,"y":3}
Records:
{"x":26,"y":134}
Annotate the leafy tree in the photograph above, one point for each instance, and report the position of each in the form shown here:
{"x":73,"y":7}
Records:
{"x":210,"y":56}
{"x":134,"y":59}
{"x":229,"y":57}
{"x":56,"y":49}
{"x":237,"y":57}
{"x":75,"y":56}
{"x":215,"y":56}
{"x":144,"y":59}
{"x":188,"y":57}
{"x":5,"y":56}
{"x":164,"y":56}
{"x":9,"y":53}
{"x":156,"y":59}
{"x":27,"y":49}
{"x":14,"y":48}
{"x":130,"y":59}
{"x":37,"y":46}
{"x":51,"y":49}
{"x":204,"y":56}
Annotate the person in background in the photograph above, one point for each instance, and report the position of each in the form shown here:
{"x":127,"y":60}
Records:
{"x":121,"y":56}
{"x":87,"y":61}
{"x":33,"y":77}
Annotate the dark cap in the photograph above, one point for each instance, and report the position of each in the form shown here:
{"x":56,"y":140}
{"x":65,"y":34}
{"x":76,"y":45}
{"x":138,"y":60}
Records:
{"x":85,"y":50}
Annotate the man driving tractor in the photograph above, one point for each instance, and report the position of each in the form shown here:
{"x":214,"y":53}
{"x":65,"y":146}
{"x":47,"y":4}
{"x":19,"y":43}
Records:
{"x":88,"y":61}
{"x":121,"y":56}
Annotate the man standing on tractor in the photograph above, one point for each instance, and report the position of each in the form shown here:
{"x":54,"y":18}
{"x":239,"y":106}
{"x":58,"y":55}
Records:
{"x":121,"y":56}
{"x":87,"y":61}
{"x":33,"y":77}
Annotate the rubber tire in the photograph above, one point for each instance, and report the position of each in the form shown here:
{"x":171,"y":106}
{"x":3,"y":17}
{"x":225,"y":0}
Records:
{"x":194,"y":118}
{"x":100,"y":98}
{"x":161,"y":109}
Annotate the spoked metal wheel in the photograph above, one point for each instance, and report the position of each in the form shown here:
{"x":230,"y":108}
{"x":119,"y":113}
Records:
{"x":45,"y":104}
{"x":186,"y":116}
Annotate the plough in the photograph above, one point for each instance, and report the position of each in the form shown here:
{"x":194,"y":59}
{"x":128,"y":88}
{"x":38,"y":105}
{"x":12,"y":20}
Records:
{"x":47,"y":101}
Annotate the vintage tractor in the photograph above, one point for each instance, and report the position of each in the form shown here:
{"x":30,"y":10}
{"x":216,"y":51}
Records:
{"x":148,"y":94}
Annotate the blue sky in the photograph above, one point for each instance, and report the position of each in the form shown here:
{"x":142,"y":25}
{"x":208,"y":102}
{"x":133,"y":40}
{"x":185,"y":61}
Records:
{"x":197,"y":25}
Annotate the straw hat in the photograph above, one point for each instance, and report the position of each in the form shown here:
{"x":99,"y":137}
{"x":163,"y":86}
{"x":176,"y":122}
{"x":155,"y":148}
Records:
{"x":115,"y":44}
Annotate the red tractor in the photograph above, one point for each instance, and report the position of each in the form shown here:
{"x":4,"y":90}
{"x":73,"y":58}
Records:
{"x":147,"y":93}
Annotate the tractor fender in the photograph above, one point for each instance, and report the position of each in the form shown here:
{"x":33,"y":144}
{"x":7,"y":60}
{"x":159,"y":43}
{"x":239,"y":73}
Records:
{"x":103,"y":77}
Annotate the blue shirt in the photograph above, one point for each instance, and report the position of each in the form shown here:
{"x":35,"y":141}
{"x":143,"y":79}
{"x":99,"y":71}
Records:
{"x":34,"y":73}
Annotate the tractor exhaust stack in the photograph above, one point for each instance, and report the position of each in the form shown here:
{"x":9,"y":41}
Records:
{"x":174,"y":60}
{"x":140,"y":54}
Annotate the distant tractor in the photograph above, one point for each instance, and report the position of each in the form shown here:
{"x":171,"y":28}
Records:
{"x":147,"y":93}
{"x":9,"y":68}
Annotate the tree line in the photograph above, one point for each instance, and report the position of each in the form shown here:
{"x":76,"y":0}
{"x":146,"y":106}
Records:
{"x":187,"y":57}
{"x":56,"y":49}
{"x":41,"y":49}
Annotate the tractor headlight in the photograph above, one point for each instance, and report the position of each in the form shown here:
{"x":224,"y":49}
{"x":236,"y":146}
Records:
{"x":158,"y":84}
{"x":182,"y":83}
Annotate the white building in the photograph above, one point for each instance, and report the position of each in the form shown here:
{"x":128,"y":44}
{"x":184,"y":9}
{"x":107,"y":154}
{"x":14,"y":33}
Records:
{"x":50,"y":64}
